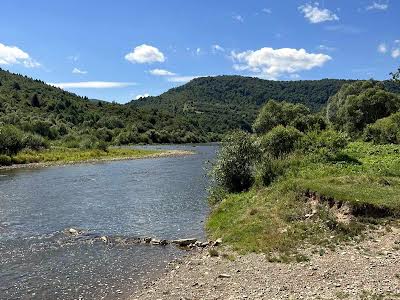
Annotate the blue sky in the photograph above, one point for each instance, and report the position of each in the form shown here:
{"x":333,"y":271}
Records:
{"x":117,"y":50}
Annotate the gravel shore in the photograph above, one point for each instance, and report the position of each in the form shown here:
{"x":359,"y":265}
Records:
{"x":367,"y":270}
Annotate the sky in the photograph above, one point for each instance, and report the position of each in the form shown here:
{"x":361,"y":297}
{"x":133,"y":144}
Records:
{"x":124,"y":49}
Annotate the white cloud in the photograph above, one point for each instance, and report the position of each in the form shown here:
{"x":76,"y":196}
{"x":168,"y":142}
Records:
{"x":272,"y":63}
{"x":215,"y":48}
{"x":92,"y":84}
{"x":382,"y":48}
{"x":161,"y":72}
{"x":396,"y":53}
{"x":145,"y":54}
{"x":198,"y":51}
{"x":326,"y":48}
{"x":78,"y":71}
{"x":11,"y":55}
{"x":238,"y":18}
{"x":267,"y":10}
{"x":377,"y":6}
{"x":142,"y":96}
{"x":316,"y":15}
{"x":182,"y":79}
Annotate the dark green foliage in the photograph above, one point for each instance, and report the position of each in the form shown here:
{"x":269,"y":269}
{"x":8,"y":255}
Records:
{"x":35,"y":101}
{"x":384,"y":131}
{"x":234,"y":167}
{"x":324,"y":145}
{"x":396,"y":75}
{"x":271,"y":168}
{"x":280,"y":140}
{"x":275,"y":113}
{"x":34,"y":142}
{"x":11,"y":140}
{"x":359,"y":104}
{"x":5,"y":160}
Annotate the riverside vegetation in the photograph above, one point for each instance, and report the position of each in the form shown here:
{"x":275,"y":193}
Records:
{"x":308,"y":180}
{"x":39,"y":122}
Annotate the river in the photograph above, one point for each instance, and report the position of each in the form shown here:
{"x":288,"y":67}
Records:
{"x":162,"y":197}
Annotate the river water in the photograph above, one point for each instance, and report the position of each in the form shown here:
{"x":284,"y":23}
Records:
{"x":162,"y":197}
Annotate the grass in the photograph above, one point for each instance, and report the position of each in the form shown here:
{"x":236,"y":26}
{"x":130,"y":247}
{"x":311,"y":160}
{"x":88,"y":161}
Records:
{"x":274,"y":219}
{"x":71,"y":155}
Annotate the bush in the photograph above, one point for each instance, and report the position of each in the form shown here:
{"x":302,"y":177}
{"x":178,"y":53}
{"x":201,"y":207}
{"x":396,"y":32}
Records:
{"x":384,"y":131}
{"x":234,"y":167}
{"x":326,"y":144}
{"x":34,"y":142}
{"x":102,"y":145}
{"x":5,"y":160}
{"x":280,"y":140}
{"x":10,"y":140}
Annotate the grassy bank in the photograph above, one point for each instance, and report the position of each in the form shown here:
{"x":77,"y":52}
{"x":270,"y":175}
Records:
{"x":282,"y":219}
{"x":58,"y":155}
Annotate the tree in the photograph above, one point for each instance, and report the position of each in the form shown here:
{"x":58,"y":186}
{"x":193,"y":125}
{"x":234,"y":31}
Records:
{"x":359,"y":104}
{"x":11,"y":140}
{"x":275,"y":113}
{"x":396,"y":75}
{"x":35,"y":101}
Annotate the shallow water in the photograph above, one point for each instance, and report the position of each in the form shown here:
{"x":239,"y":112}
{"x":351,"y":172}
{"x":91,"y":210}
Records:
{"x":163,"y":197}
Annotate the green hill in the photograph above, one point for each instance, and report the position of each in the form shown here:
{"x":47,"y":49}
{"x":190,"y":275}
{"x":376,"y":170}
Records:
{"x":224,"y":102}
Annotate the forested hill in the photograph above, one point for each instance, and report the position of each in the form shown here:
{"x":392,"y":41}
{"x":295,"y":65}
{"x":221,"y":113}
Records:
{"x":199,"y":111}
{"x":224,"y":102}
{"x":244,"y":91}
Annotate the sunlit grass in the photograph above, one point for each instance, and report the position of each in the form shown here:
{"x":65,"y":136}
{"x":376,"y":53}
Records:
{"x":273,"y":219}
{"x":69,"y":155}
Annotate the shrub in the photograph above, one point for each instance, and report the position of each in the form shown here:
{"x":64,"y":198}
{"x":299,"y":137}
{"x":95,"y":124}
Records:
{"x":88,"y":142}
{"x":384,"y":131}
{"x":269,"y":169}
{"x":5,"y":160}
{"x":280,"y":140}
{"x":10,"y":140}
{"x":102,"y":145}
{"x":34,"y":142}
{"x":326,"y":144}
{"x":234,"y":167}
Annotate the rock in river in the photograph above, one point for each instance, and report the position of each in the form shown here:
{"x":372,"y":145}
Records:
{"x":184,"y":242}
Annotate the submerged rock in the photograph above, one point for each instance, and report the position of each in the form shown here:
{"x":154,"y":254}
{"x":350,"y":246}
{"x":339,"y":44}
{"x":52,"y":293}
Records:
{"x":184,"y":242}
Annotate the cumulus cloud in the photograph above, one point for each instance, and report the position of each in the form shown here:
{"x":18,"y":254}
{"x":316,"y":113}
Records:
{"x":11,"y":55}
{"x":396,"y":53}
{"x":382,"y":48}
{"x":317,"y":15}
{"x":145,"y":54}
{"x":78,"y":71}
{"x":272,"y":63}
{"x":377,"y":6}
{"x":161,"y":72}
{"x":92,"y":84}
{"x":142,"y":96}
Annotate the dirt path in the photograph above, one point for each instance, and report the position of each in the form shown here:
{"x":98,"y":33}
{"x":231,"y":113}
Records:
{"x":369,"y":270}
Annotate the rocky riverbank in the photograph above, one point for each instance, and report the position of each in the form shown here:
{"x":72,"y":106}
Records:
{"x":365,"y":270}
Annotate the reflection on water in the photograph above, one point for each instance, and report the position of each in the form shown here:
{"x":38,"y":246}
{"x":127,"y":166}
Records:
{"x":162,"y":197}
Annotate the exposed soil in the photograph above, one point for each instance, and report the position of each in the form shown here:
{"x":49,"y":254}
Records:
{"x":365,"y":270}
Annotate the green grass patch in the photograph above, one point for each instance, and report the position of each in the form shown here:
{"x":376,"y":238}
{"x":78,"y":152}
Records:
{"x":70,"y":155}
{"x":276,"y":219}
